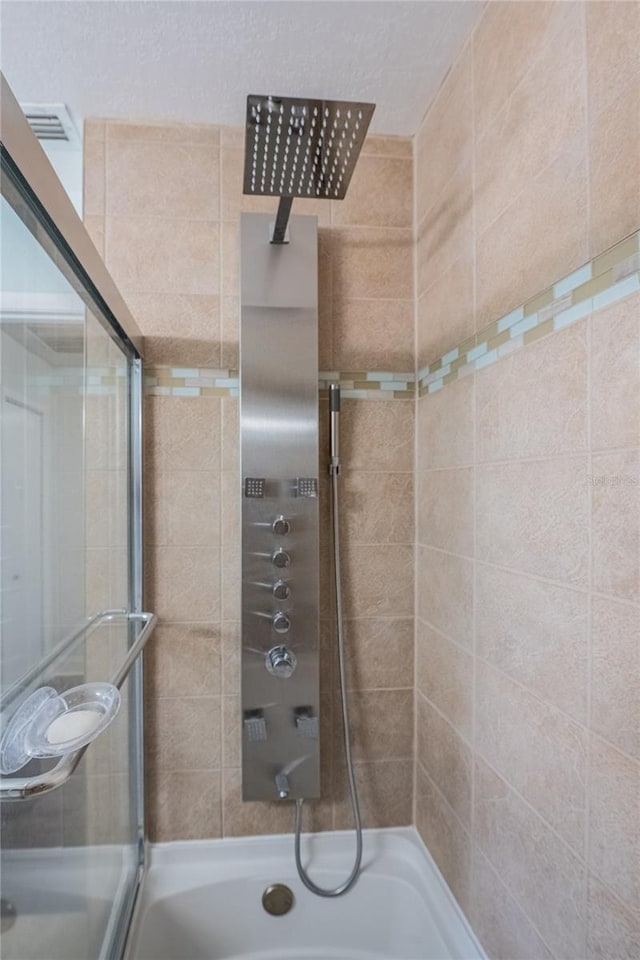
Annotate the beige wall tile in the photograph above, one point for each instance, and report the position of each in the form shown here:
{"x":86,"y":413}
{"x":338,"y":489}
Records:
{"x":372,"y":335}
{"x":95,"y":229}
{"x":169,"y":180}
{"x":615,"y":375}
{"x":171,"y":514}
{"x":230,"y":656}
{"x":444,"y":675}
{"x":445,"y":757}
{"x":183,"y":583}
{"x":181,"y":434}
{"x":615,"y":652}
{"x":445,"y":510}
{"x":368,"y":588}
{"x":498,"y":921}
{"x":445,"y":311}
{"x":385,"y":792}
{"x":612,"y":930}
{"x":183,"y":661}
{"x":376,"y":145}
{"x":231,"y":730}
{"x":616,"y":524}
{"x":446,"y":839}
{"x":184,"y":806}
{"x":184,"y":734}
{"x":533,"y":517}
{"x":377,"y":507}
{"x":445,"y":137}
{"x":230,"y":435}
{"x":523,"y":30}
{"x":179,"y":330}
{"x":445,"y":234}
{"x":538,"y":749}
{"x":163,"y":132}
{"x":372,"y":262}
{"x":537,"y":633}
{"x":445,"y":426}
{"x":379,"y":653}
{"x":613,"y":40}
{"x":93,"y":130}
{"x":539,"y":238}
{"x":154,"y":255}
{"x":377,"y":435}
{"x":380,"y":194}
{"x":614,"y":171}
{"x":545,"y":878}
{"x":381,"y":723}
{"x":230,"y":333}
{"x":544,"y":112}
{"x":534,"y":403}
{"x":93,"y":178}
{"x":444,"y":585}
{"x":614,"y":822}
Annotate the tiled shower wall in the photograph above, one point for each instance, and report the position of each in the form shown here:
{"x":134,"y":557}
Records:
{"x":162,"y":203}
{"x":528,"y":488}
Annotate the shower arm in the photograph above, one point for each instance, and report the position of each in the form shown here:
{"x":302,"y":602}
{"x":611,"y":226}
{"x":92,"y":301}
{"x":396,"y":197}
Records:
{"x":280,"y":233}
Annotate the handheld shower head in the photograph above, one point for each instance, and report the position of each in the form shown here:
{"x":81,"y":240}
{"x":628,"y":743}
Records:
{"x":334,"y":427}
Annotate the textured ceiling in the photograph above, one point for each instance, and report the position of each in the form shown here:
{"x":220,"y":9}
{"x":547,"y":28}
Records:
{"x":197,"y":61}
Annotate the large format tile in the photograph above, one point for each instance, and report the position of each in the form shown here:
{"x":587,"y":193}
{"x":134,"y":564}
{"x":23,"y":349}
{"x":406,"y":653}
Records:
{"x":500,"y":924}
{"x":180,"y":330}
{"x":536,"y":748}
{"x":545,"y":111}
{"x":613,"y":40}
{"x":615,"y":652}
{"x":614,"y":171}
{"x":373,"y":335}
{"x":541,"y":873}
{"x":612,"y":931}
{"x":377,"y":435}
{"x":379,"y":653}
{"x":184,"y":734}
{"x":445,"y":235}
{"x":381,"y":725}
{"x":182,"y":584}
{"x":378,"y":581}
{"x":615,"y":375}
{"x":532,"y":516}
{"x":444,"y":675}
{"x":541,"y":236}
{"x":380,"y":194}
{"x":151,"y":179}
{"x":160,"y":255}
{"x":182,"y":433}
{"x":534,"y":402}
{"x":445,"y":137}
{"x":446,"y":758}
{"x":377,"y":507}
{"x":445,"y":426}
{"x":184,"y":805}
{"x":445,"y":510}
{"x":169,"y":508}
{"x":445,"y":311}
{"x":372,"y":262}
{"x":183,"y":661}
{"x":537,"y":633}
{"x":614,"y":822}
{"x":385,"y":793}
{"x":615,"y":525}
{"x":446,"y":839}
{"x":444,"y":585}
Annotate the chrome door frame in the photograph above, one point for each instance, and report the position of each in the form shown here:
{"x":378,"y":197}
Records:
{"x":56,"y":220}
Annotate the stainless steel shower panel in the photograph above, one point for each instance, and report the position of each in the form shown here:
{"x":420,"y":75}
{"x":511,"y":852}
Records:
{"x":279,"y":490}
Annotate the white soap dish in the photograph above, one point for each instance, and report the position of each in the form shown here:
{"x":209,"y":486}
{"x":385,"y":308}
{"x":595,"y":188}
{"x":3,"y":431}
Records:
{"x":52,"y":724}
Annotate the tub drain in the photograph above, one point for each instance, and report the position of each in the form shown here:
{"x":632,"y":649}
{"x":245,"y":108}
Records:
{"x":277,"y":899}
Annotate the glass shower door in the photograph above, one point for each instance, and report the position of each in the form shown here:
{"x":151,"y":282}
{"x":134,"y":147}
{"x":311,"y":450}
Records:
{"x":69,"y":586}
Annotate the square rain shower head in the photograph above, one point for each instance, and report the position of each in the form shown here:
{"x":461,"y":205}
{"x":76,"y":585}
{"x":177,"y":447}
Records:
{"x":296,"y":147}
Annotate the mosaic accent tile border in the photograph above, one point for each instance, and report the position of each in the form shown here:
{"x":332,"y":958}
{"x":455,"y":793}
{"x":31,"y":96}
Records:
{"x":203,"y":382}
{"x":612,"y":276}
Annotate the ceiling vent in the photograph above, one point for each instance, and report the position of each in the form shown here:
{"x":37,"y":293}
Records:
{"x":51,"y":122}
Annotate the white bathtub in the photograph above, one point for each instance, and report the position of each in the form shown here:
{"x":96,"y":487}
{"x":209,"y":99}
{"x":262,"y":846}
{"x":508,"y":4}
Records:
{"x":201,"y":900}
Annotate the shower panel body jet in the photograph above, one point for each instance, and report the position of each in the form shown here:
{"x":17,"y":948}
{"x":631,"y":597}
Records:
{"x":280,"y":538}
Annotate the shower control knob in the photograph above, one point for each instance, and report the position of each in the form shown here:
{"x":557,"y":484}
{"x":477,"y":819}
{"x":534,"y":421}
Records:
{"x":281,"y":559}
{"x":281,"y":590}
{"x":281,"y":526}
{"x":280,"y":662}
{"x":281,"y":623}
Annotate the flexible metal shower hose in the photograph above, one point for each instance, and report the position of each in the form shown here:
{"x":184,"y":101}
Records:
{"x":355,"y":806}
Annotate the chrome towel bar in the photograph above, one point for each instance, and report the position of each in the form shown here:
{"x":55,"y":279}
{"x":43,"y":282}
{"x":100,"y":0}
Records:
{"x":22,"y":788}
